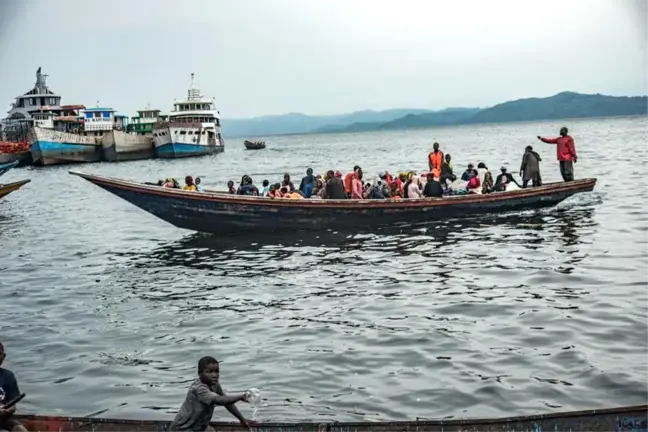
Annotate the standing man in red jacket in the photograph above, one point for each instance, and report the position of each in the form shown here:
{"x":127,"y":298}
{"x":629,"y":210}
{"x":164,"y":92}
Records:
{"x":566,"y":152}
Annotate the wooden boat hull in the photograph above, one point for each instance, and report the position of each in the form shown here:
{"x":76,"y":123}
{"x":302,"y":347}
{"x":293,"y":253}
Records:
{"x":122,"y":146}
{"x":50,"y":147}
{"x":11,"y":187}
{"x":254,"y":146}
{"x":221,"y":213}
{"x":616,"y":419}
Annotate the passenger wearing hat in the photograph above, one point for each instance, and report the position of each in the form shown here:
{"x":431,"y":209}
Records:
{"x":565,"y":152}
{"x":503,"y":179}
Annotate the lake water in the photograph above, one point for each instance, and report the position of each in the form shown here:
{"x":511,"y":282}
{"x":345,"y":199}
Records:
{"x":106,"y":310}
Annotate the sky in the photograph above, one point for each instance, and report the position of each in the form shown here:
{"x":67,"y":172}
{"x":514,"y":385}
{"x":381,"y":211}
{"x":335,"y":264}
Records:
{"x":260,"y":57}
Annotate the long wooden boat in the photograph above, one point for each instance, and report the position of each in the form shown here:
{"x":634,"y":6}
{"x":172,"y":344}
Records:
{"x":258,"y":145}
{"x":11,"y":187}
{"x":222,"y":213}
{"x":631,"y":418}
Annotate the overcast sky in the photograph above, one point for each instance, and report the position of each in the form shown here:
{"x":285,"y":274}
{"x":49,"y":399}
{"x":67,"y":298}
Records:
{"x":261,"y":57}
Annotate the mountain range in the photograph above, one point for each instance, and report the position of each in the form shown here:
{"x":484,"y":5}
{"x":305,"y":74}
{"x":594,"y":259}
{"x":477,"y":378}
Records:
{"x":561,"y":105}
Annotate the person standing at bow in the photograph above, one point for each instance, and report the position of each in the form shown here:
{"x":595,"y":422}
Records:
{"x":435,"y":160}
{"x":566,"y":153}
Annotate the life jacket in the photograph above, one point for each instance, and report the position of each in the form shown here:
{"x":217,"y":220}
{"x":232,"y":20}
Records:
{"x":347,"y":182}
{"x":436,"y":160}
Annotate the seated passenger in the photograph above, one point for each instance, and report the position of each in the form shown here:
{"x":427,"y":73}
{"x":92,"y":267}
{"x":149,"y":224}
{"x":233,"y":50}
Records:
{"x":413,"y":191}
{"x":474,"y":185}
{"x":446,"y":170}
{"x":487,"y":186}
{"x":466,"y":175}
{"x":230,"y":187}
{"x":189,"y":184}
{"x":199,"y":187}
{"x":376,"y":190}
{"x":432,"y":188}
{"x":334,"y":188}
{"x":502,"y":181}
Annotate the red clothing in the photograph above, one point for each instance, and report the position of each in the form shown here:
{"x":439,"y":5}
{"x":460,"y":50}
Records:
{"x":473,"y":183}
{"x":347,"y":182}
{"x":399,"y":183}
{"x":565,"y":150}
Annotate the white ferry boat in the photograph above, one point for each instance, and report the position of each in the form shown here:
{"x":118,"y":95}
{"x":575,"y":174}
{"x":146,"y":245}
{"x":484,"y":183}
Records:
{"x":193,"y":128}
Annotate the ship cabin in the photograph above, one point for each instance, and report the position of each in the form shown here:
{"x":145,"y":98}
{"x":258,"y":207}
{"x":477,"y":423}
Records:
{"x":98,"y":120}
{"x":20,"y":115}
{"x":142,"y":124}
{"x":121,"y":122}
{"x":195,"y":109}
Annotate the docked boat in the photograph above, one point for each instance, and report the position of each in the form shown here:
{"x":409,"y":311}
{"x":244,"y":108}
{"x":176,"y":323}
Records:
{"x":193,"y":128}
{"x":6,"y":189}
{"x":15,"y":152}
{"x":254,"y":145}
{"x":630,"y":418}
{"x":136,"y":142}
{"x":222,"y":213}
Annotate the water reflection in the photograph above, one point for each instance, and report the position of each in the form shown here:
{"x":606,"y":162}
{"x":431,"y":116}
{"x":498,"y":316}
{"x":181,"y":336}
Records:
{"x":208,"y":252}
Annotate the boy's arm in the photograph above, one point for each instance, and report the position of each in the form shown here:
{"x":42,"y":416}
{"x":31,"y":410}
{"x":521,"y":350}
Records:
{"x":209,"y":397}
{"x":232,"y":408}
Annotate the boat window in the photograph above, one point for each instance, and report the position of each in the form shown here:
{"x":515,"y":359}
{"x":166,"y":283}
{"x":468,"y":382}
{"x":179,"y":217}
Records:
{"x":190,"y":133}
{"x":217,"y":122}
{"x":183,"y":132}
{"x":203,"y":132}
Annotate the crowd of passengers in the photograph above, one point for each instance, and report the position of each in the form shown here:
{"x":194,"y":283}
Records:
{"x":438,"y":182}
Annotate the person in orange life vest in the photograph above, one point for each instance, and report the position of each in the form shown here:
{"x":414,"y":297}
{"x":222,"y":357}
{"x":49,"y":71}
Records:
{"x":435,"y":160}
{"x":348,"y":180}
{"x":565,"y":152}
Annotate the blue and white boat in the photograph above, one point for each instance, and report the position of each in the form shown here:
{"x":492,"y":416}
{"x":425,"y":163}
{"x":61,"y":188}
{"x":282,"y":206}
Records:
{"x":193,"y":128}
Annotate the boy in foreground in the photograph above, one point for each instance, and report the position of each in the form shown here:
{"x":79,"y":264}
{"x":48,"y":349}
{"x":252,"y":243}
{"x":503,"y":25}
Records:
{"x":204,"y":393}
{"x":8,"y":392}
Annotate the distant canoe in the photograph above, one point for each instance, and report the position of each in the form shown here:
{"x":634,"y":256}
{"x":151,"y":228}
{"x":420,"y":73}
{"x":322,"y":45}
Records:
{"x":258,"y":145}
{"x":632,"y":418}
{"x":11,"y":187}
{"x":222,"y":213}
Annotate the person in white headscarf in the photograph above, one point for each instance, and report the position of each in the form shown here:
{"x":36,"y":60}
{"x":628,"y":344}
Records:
{"x":413,"y":190}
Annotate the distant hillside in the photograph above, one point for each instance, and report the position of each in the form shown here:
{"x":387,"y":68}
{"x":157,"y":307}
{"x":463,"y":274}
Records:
{"x":561,"y":105}
{"x":295,"y":123}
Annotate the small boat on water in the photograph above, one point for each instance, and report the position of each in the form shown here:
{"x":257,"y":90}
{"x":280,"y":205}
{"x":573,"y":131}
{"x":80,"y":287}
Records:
{"x":6,"y":189}
{"x":222,"y":213}
{"x":631,"y":418}
{"x":256,"y":145}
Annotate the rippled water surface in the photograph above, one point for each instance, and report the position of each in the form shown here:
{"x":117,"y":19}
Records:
{"x":105,"y":309}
